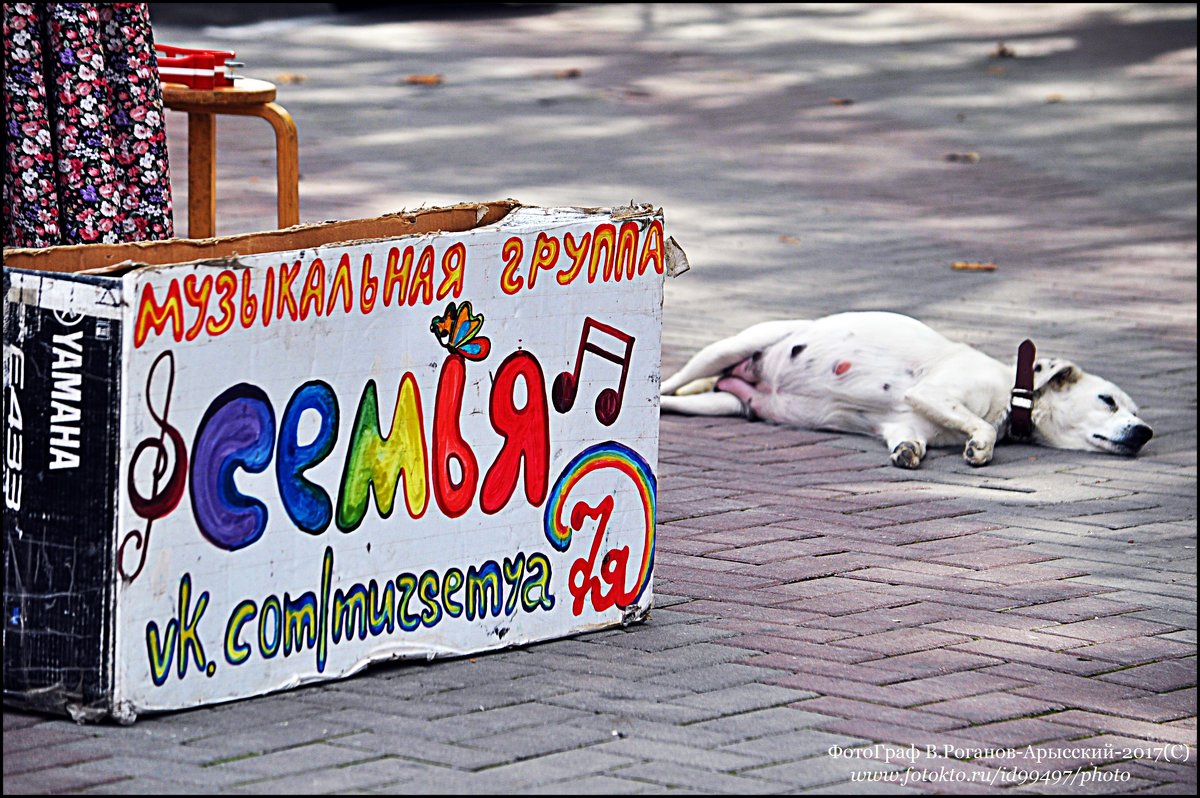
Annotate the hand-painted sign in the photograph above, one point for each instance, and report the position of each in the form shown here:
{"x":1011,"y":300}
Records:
{"x":429,"y":445}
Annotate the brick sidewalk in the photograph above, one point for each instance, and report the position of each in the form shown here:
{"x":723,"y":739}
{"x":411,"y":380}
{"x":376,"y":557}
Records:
{"x":1027,"y":626}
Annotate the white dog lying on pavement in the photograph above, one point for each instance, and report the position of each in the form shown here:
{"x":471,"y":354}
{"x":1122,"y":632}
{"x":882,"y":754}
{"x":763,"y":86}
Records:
{"x":891,"y":376}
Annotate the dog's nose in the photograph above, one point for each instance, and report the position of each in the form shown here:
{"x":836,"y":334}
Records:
{"x":1138,"y":436}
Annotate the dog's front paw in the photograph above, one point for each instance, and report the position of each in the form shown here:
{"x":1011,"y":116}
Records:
{"x":906,"y":455}
{"x":977,"y":452}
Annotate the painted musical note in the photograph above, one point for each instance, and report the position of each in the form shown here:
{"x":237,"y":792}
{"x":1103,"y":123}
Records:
{"x":169,"y":450}
{"x":566,"y":385}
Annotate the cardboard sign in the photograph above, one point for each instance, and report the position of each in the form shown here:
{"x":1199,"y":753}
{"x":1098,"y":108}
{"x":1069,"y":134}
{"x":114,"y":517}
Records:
{"x":292,"y":459}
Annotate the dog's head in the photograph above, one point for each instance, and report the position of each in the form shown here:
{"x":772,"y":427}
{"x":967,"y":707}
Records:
{"x":1076,"y":410}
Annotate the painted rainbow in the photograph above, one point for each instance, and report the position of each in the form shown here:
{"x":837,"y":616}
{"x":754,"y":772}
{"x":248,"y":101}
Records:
{"x":608,"y":454}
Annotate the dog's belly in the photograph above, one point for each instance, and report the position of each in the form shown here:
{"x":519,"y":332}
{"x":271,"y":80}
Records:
{"x":865,"y":412}
{"x":848,"y":372}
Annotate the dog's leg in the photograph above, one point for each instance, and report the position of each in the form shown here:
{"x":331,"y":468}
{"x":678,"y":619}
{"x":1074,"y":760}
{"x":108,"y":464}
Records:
{"x":714,"y":403}
{"x":951,"y":413}
{"x":905,"y":443}
{"x":720,"y":355}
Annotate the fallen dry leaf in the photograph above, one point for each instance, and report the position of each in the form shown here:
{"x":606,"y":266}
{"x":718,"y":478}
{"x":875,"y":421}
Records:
{"x":285,"y":78}
{"x":997,"y":71}
{"x":840,"y":101}
{"x":789,"y":240}
{"x":568,"y":74}
{"x":1055,"y":98}
{"x":963,"y":157}
{"x":965,"y":266}
{"x":424,"y":80}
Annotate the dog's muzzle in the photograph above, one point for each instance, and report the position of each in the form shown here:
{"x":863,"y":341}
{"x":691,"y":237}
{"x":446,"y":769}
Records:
{"x":1131,"y":440}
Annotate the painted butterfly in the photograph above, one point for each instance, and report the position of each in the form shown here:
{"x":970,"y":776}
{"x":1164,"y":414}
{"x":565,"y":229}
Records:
{"x":458,"y":331}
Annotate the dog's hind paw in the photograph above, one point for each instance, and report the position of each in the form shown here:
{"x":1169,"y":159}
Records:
{"x":906,"y":455}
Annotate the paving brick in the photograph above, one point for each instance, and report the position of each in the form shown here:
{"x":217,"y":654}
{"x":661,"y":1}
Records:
{"x":1151,"y":771}
{"x":880,"y":787}
{"x":821,"y":586}
{"x":674,"y":775}
{"x":1072,"y":662}
{"x":821,"y":647}
{"x":1174,"y":705}
{"x":317,"y":756}
{"x":980,"y":560}
{"x":118,"y":761}
{"x":724,"y":611}
{"x":36,"y":733}
{"x":1017,"y":733}
{"x":899,"y":734}
{"x":1081,"y":609}
{"x":717,"y":677}
{"x":593,"y":785}
{"x":891,"y":695}
{"x":920,"y":664}
{"x":624,"y":726}
{"x":48,"y":782}
{"x":790,"y":746}
{"x":666,"y":637}
{"x":146,"y":785}
{"x":973,"y":594}
{"x":759,"y":723}
{"x":743,"y":698}
{"x":788,"y":665}
{"x":922,"y":531}
{"x":890,"y":617}
{"x":1128,"y":727}
{"x":846,"y":603}
{"x":573,"y":764}
{"x":1135,"y":651}
{"x":378,"y":775}
{"x":919,"y":511}
{"x":1158,"y":677}
{"x":807,"y":567}
{"x":702,"y":758}
{"x":846,"y":708}
{"x":656,"y":711}
{"x":264,"y":740}
{"x":1102,"y":630}
{"x":46,"y":758}
{"x":777,"y":550}
{"x":1048,"y":638}
{"x":904,"y":641}
{"x":991,"y":707}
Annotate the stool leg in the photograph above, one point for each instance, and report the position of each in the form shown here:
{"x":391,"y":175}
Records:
{"x":202,"y":175}
{"x":287,"y":161}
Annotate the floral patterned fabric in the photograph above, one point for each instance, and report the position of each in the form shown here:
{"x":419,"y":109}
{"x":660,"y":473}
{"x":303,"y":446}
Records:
{"x":85,"y":138}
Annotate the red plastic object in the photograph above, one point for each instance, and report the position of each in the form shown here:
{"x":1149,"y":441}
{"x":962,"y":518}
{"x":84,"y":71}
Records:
{"x":197,"y":69}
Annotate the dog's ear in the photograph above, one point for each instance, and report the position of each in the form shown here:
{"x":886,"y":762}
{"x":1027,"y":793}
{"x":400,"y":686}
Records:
{"x":1055,"y":374}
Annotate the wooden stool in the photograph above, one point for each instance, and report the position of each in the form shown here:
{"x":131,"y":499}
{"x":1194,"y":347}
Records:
{"x":246,"y":97}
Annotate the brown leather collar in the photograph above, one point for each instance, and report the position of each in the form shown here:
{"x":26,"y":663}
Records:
{"x":1020,"y":416}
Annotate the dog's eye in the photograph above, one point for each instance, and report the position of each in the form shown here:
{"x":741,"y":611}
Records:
{"x":1108,"y":400}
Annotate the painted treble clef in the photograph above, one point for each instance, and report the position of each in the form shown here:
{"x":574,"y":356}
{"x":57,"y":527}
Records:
{"x":170,"y":462}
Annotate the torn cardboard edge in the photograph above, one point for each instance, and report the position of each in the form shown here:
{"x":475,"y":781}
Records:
{"x":114,"y":259}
